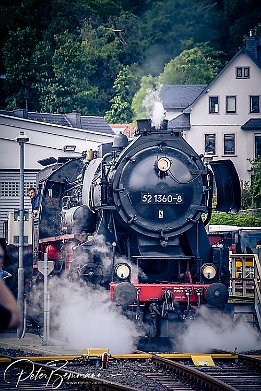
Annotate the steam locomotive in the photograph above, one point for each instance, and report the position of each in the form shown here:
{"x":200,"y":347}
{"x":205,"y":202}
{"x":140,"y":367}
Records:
{"x":144,"y":201}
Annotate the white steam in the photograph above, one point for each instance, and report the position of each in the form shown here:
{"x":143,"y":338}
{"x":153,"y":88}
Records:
{"x":214,"y":330}
{"x":86,"y":318}
{"x":154,"y":107}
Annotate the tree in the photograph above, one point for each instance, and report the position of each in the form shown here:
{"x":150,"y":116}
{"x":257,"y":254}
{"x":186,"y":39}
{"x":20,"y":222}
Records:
{"x":193,"y":66}
{"x":84,"y":66}
{"x":17,"y":52}
{"x":167,"y":23}
{"x":147,"y":85}
{"x":256,"y":183}
{"x":124,"y":85}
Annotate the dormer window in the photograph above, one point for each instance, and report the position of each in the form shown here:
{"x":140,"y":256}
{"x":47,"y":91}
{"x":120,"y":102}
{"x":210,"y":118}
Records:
{"x":213,"y":105}
{"x":242,"y":72}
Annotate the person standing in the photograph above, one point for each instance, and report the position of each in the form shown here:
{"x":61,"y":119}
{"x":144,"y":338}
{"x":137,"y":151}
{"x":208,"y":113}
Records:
{"x":35,"y":201}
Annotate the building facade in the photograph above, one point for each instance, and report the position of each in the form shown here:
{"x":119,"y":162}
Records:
{"x":224,"y":120}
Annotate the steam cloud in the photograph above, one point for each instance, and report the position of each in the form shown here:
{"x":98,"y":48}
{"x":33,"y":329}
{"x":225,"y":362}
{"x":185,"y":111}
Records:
{"x":85,"y":317}
{"x":154,"y":107}
{"x":214,"y":330}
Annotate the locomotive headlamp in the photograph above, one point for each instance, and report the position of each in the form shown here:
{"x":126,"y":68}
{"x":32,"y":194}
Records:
{"x":163,"y":164}
{"x":209,"y":271}
{"x":122,"y":271}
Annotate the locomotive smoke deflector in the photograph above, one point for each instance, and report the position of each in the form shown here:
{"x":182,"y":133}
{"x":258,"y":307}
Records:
{"x":228,"y":186}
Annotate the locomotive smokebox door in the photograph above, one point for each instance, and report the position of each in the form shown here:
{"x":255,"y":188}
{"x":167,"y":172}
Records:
{"x":228,"y":186}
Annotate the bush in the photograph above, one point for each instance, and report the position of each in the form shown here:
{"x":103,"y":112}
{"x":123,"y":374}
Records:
{"x":242,"y":219}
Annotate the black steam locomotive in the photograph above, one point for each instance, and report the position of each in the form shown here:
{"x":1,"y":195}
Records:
{"x":144,"y":202}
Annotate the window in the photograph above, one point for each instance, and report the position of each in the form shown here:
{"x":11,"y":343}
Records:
{"x":231,"y":104}
{"x":210,"y":143}
{"x":213,"y":104}
{"x":16,"y":240}
{"x":242,"y":72}
{"x":229,"y":144}
{"x":11,"y":189}
{"x":257,"y":146}
{"x":17,"y":215}
{"x":254,"y":104}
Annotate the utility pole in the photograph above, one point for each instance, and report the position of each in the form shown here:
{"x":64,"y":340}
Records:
{"x":22,"y":139}
{"x":46,"y":302}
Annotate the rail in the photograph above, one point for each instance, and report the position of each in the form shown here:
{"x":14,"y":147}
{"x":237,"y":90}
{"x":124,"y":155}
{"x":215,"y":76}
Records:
{"x":202,"y":380}
{"x":192,"y":375}
{"x":245,"y":279}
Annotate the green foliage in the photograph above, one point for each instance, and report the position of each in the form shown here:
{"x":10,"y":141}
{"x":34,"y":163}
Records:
{"x":17,"y":52}
{"x":38,"y":40}
{"x":241,"y":219}
{"x":251,"y":193}
{"x":124,"y":85}
{"x":82,"y":71}
{"x":256,"y":183}
{"x":246,"y":196}
{"x":147,"y":85}
{"x":193,"y":66}
{"x":167,"y":23}
{"x":238,"y":18}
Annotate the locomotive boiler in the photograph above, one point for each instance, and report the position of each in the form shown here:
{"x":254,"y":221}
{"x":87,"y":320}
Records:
{"x":149,"y":200}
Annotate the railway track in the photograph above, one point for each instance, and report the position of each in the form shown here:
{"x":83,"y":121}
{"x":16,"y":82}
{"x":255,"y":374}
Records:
{"x":156,"y":373}
{"x":153,"y":373}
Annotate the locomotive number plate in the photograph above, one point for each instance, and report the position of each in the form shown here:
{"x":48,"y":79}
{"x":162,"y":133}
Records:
{"x":148,"y":198}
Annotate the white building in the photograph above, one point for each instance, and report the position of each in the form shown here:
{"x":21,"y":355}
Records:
{"x":224,"y":119}
{"x":49,"y":136}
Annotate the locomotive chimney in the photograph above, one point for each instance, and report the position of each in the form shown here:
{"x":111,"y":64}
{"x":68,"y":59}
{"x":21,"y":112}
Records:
{"x":164,"y":124}
{"x":143,"y":125}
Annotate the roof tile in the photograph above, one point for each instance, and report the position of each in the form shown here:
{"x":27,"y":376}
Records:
{"x":180,"y":96}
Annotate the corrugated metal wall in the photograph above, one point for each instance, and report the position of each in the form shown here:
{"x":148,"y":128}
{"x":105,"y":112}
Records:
{"x":9,"y":192}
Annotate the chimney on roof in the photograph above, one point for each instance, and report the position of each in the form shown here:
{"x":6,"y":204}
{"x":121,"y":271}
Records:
{"x":21,"y":113}
{"x":251,"y":45}
{"x":74,"y":118}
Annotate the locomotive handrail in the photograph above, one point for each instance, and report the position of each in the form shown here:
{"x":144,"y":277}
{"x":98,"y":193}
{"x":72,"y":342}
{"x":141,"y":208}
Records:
{"x":257,"y":281}
{"x":245,"y":280}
